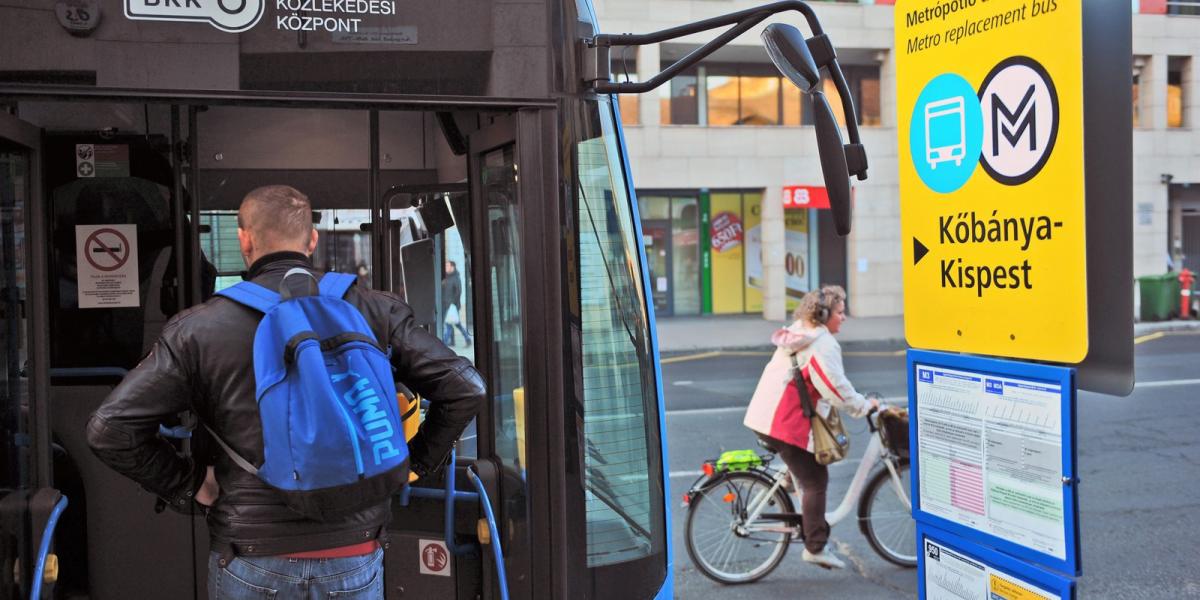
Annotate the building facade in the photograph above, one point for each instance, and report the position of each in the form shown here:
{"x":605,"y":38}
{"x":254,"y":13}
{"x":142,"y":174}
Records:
{"x":730,"y":183}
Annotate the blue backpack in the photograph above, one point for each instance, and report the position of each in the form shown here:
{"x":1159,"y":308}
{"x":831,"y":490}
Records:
{"x":333,"y":442}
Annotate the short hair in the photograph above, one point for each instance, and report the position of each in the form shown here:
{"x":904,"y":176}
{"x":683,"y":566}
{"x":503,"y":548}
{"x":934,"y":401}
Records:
{"x":279,"y":216}
{"x":825,"y":299}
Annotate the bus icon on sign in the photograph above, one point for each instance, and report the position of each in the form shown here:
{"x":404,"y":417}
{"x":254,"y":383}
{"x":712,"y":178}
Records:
{"x":945,"y":132}
{"x":925,"y":375}
{"x":994,"y":386}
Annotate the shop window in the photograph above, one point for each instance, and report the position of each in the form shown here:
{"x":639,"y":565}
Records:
{"x":1177,"y":77}
{"x":680,"y":101}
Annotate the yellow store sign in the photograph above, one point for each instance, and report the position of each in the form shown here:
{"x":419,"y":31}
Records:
{"x":990,"y":114}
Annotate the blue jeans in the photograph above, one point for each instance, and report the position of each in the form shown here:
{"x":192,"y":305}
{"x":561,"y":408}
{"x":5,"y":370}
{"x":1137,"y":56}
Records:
{"x":448,"y":333}
{"x":353,"y":578}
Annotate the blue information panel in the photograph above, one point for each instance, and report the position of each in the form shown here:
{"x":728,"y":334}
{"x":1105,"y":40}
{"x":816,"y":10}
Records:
{"x":950,"y":568}
{"x":993,"y":454}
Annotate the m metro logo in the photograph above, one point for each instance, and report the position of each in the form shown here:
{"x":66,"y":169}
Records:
{"x":233,"y":16}
{"x":1020,"y":108}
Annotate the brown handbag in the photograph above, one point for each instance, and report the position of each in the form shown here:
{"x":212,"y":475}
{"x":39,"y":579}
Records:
{"x":830,"y":442}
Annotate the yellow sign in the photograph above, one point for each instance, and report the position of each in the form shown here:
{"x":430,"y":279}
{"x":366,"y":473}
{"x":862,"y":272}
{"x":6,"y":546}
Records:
{"x":1007,"y":589}
{"x":990,"y":112}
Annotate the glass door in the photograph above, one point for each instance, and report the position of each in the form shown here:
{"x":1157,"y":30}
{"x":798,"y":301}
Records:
{"x":24,"y":425}
{"x":656,"y":237}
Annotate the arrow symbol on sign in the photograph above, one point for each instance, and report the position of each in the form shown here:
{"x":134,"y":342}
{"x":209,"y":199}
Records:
{"x":919,"y":251}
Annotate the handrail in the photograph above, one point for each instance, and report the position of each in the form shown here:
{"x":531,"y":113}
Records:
{"x":497,"y":550}
{"x":450,"y":495}
{"x":44,"y":548}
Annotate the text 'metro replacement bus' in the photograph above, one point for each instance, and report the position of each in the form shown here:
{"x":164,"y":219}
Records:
{"x":481,"y":132}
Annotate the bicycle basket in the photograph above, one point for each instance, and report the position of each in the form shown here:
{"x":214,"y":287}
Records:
{"x":738,"y":460}
{"x":894,"y":428}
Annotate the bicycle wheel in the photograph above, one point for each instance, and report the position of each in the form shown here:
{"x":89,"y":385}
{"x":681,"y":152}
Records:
{"x":886,"y":519}
{"x":718,"y":539}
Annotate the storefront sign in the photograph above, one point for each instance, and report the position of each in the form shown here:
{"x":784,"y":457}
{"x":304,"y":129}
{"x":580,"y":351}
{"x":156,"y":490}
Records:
{"x":106,"y":257}
{"x":726,"y":232}
{"x":805,"y":196}
{"x":992,"y":177}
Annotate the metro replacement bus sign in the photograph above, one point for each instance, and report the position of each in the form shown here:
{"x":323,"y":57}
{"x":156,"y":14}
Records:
{"x":990,"y":107}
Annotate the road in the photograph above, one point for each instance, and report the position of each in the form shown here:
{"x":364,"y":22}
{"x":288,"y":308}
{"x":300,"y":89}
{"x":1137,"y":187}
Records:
{"x":1139,"y":491}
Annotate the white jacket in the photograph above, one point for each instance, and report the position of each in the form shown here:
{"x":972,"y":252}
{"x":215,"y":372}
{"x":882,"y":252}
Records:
{"x":775,"y":409}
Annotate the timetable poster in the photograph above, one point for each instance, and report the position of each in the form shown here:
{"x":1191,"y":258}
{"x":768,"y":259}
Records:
{"x":991,"y":455}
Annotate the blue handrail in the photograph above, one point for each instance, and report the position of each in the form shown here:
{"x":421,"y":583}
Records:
{"x":497,"y":551}
{"x":449,"y":494}
{"x":44,"y":547}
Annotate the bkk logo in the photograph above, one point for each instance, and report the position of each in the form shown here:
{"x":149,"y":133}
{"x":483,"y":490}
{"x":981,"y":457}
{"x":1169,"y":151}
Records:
{"x":363,"y":401}
{"x":233,"y":16}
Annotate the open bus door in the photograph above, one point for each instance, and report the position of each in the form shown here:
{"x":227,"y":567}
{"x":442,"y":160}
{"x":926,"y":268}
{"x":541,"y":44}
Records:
{"x":29,"y":504}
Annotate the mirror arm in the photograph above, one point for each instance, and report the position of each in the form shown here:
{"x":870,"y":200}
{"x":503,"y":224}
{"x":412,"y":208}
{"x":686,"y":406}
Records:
{"x":597,"y":67}
{"x":603,"y":86}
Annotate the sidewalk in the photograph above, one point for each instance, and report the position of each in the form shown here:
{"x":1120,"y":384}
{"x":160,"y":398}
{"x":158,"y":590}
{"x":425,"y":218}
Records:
{"x":750,"y":332}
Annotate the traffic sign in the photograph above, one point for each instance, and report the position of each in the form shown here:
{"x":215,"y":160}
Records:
{"x":991,"y":129}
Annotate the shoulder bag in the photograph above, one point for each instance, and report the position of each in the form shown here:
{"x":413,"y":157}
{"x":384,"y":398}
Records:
{"x":830,"y":442}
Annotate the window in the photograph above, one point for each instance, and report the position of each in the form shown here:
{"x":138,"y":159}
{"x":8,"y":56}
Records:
{"x":1177,"y":77}
{"x":623,"y":469}
{"x":1139,"y":63}
{"x":755,"y":94}
{"x":624,"y":69}
{"x":680,"y":102}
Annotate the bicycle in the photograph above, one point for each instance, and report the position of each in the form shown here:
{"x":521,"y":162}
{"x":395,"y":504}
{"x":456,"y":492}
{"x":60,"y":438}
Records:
{"x":741,"y":520}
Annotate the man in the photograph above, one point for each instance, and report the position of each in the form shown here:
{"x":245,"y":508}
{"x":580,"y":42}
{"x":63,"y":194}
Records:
{"x":452,"y":297}
{"x":203,"y":363}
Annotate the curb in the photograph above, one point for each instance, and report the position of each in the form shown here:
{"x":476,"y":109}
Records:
{"x":1139,"y":330}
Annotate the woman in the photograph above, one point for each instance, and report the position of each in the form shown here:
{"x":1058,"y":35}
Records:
{"x":775,"y":410}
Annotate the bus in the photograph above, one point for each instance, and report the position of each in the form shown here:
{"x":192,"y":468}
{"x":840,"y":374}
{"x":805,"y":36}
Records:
{"x":426,"y":132}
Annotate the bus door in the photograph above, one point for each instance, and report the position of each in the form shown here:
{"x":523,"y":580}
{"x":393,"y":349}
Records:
{"x":26,"y":495}
{"x":119,"y":248}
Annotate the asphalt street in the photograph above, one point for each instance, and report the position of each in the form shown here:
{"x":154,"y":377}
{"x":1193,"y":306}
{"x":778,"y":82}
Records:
{"x":1139,"y":491}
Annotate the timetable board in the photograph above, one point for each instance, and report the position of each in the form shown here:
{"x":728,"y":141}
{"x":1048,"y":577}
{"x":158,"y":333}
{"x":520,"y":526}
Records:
{"x":948,"y":568}
{"x":993,"y":454}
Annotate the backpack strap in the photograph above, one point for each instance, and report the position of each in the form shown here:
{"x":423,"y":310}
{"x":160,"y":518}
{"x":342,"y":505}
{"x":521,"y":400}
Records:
{"x":237,"y":458}
{"x":251,"y":294}
{"x":336,"y":284}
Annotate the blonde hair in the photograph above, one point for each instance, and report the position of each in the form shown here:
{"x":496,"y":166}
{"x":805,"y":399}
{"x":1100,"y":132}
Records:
{"x":819,"y":304}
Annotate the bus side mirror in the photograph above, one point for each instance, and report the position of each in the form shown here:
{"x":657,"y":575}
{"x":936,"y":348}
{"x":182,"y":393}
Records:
{"x":789,"y":51}
{"x":833,"y":162}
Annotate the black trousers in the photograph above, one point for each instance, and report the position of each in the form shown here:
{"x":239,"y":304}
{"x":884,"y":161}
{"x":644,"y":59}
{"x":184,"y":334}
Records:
{"x":814,"y":483}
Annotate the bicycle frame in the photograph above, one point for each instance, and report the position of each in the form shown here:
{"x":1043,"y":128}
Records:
{"x":874,"y":453}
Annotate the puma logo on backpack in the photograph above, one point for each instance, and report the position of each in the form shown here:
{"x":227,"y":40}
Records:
{"x":333,"y":443}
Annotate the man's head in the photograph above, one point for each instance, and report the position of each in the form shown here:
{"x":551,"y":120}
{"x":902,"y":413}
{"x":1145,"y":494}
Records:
{"x":450,"y":267}
{"x":275,"y":218}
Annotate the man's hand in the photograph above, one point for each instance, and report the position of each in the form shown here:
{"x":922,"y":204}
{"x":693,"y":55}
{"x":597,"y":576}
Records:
{"x":209,"y":490}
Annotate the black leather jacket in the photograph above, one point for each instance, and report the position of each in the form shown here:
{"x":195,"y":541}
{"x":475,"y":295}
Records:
{"x":203,"y":363}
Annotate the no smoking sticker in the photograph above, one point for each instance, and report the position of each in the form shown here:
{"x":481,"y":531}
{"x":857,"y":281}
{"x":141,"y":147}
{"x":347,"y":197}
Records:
{"x":106,"y":258}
